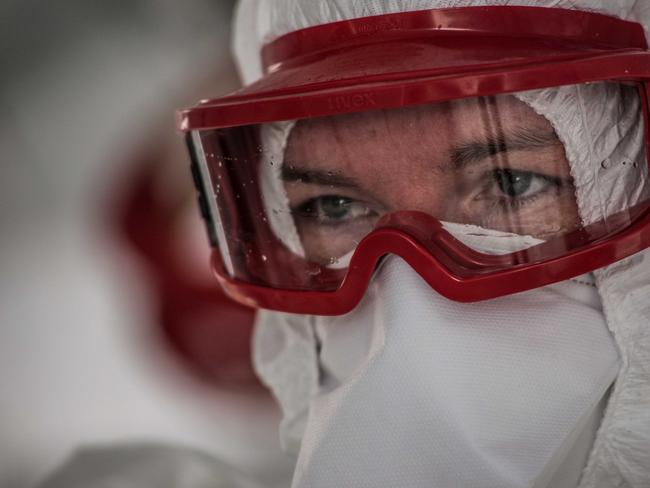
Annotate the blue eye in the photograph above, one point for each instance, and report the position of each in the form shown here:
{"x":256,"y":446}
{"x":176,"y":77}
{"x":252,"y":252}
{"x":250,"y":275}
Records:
{"x":333,"y":209}
{"x":521,"y":184}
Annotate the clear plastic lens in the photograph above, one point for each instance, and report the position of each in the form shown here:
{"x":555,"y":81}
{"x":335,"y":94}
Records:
{"x":292,"y":200}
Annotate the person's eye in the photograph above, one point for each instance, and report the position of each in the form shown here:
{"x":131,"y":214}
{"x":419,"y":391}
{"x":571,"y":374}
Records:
{"x":521,"y":185}
{"x":333,"y":210}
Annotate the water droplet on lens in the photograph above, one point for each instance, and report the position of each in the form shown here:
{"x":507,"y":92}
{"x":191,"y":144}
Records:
{"x":314,"y":270}
{"x":605,"y":164}
{"x":635,"y":164}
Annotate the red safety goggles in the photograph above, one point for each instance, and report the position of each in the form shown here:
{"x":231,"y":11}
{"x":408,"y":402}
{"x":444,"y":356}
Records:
{"x":381,"y":135}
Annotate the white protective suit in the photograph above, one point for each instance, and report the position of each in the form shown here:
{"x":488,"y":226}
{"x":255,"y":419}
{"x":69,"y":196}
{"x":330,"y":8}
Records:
{"x":411,"y":389}
{"x":146,"y":465}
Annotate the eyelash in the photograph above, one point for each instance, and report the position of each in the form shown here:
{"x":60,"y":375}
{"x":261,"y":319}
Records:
{"x":516,"y":203}
{"x":310,"y":208}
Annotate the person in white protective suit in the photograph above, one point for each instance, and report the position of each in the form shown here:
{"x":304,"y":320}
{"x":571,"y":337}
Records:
{"x":549,"y":387}
{"x":442,"y":208}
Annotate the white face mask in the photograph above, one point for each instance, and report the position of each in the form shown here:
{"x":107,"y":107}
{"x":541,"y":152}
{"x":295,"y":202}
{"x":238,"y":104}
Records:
{"x":411,"y":389}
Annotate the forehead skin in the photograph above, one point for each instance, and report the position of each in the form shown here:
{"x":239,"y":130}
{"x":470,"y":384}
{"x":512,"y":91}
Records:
{"x":406,"y":153}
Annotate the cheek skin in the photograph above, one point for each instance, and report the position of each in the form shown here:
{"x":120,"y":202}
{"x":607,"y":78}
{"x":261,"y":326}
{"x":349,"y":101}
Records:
{"x":325,"y":243}
{"x":560,"y":219}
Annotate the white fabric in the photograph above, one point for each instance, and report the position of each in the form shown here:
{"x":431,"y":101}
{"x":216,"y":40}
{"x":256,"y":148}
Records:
{"x":285,"y":345}
{"x":274,"y":141}
{"x":146,"y":466}
{"x":596,"y":147}
{"x":610,"y":172}
{"x":285,"y":356}
{"x":621,"y":454}
{"x":498,"y":243}
{"x":607,"y":158}
{"x":416,"y":411}
{"x":397,"y":356}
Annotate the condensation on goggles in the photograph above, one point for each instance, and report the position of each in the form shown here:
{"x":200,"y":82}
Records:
{"x":290,"y":201}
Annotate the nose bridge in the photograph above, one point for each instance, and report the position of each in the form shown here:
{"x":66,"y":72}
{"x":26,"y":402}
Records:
{"x":433,"y":195}
{"x":423,"y":181}
{"x":419,"y":175}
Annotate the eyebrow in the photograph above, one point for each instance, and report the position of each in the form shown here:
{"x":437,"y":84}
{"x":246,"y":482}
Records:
{"x":315,"y":177}
{"x":461,"y":156}
{"x":520,"y":140}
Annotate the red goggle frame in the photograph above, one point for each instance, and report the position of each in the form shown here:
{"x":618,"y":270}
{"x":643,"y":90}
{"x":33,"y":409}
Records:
{"x":532,"y":48}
